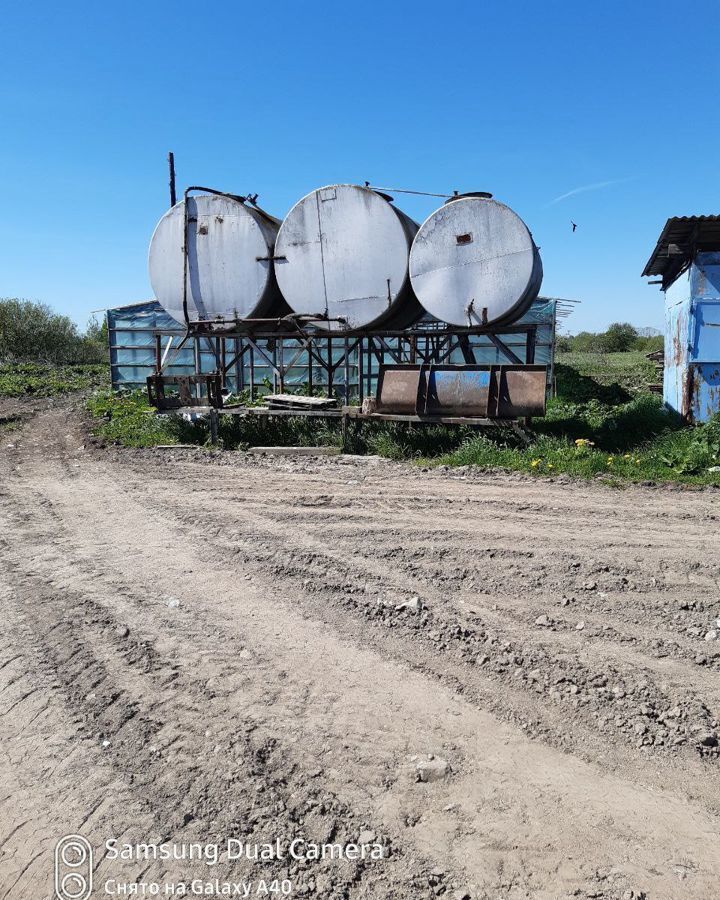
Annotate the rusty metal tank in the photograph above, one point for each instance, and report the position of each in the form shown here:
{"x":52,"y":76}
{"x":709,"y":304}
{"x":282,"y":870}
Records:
{"x":342,"y":253}
{"x":230,"y":271}
{"x":474,"y":262}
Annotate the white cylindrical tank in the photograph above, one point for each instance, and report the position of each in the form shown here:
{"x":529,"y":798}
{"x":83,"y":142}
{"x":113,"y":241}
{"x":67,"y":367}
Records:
{"x":346,"y":250}
{"x":474,"y":262}
{"x":230,"y":273}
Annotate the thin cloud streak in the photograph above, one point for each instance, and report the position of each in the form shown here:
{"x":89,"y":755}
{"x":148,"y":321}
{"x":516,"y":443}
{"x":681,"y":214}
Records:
{"x":597,"y":186}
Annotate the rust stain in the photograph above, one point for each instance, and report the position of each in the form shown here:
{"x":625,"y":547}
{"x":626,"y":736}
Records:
{"x":691,"y":390}
{"x":677,"y":343}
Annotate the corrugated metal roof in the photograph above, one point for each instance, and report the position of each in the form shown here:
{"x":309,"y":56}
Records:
{"x":681,"y":238}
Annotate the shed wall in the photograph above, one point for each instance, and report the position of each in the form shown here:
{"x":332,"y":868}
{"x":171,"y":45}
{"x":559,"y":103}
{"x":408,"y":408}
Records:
{"x":691,"y":384}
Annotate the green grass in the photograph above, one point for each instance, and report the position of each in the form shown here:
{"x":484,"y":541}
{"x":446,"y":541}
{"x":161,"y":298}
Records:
{"x":8,"y":425}
{"x":629,"y":372}
{"x":127,"y":419}
{"x":683,"y":456}
{"x":38,"y":380}
{"x":601,"y":424}
{"x":255,"y":431}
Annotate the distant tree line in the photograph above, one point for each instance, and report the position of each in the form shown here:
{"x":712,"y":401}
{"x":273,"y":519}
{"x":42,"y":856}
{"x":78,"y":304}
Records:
{"x":32,"y":332}
{"x":620,"y":337}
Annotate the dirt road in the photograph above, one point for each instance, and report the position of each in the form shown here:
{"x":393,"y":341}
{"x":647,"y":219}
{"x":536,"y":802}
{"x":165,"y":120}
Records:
{"x":198,"y":648}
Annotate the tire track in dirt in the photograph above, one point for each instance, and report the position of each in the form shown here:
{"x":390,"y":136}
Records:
{"x":660,"y":650}
{"x":43,"y":759}
{"x":509,"y":649}
{"x":178,"y":744}
{"x":317,"y":691}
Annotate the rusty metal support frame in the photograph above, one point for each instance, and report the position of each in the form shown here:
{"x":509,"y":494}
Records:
{"x":269,"y":340}
{"x":161,"y":359}
{"x":503,"y":347}
{"x":187,"y":394}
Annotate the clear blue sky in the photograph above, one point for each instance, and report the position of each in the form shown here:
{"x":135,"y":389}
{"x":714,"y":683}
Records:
{"x":531,"y":101}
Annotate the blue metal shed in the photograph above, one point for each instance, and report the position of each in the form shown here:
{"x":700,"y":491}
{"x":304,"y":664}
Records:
{"x":687,"y":256}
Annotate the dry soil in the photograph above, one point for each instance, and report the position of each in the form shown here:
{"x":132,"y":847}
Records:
{"x":196,"y":647}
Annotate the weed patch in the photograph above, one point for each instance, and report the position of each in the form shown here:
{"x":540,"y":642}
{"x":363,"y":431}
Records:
{"x":38,"y":380}
{"x":127,"y":419}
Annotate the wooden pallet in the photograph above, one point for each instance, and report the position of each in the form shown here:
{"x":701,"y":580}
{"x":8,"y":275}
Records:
{"x":299,"y":401}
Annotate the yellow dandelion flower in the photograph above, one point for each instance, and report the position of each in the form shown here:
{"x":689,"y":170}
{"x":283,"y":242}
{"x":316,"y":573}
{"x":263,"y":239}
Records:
{"x":535,"y":463}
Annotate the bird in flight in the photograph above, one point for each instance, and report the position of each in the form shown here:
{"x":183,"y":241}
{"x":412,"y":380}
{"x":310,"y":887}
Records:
{"x":573,"y":224}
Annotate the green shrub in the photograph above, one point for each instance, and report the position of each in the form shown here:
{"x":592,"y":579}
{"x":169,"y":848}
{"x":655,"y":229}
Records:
{"x":619,"y":338}
{"x":32,"y":332}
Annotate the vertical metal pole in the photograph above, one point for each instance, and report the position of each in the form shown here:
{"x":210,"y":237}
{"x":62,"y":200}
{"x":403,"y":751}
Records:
{"x":360,"y":371}
{"x":282,"y":366}
{"x":220,"y":359}
{"x":158,"y":355}
{"x":251,"y":351}
{"x":171,"y":167}
{"x":329,"y":367}
{"x":369,"y":366}
{"x":371,"y":363}
{"x":197,"y":363}
{"x":346,"y":348}
{"x":310,"y":368}
{"x":238,"y":365}
{"x":466,"y":349}
{"x":530,"y":345}
{"x":112,"y":340}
